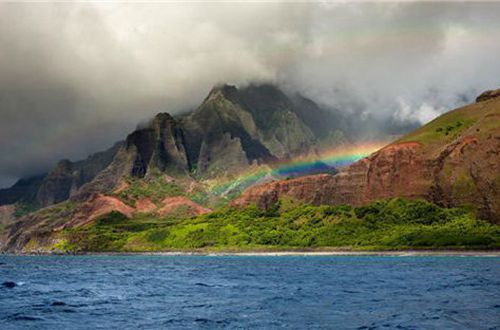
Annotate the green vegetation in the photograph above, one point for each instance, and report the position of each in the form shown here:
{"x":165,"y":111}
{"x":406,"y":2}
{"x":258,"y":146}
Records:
{"x":388,"y":224}
{"x":56,"y":214}
{"x":21,"y":209}
{"x":446,"y":130}
{"x":155,"y":187}
{"x":446,"y":127}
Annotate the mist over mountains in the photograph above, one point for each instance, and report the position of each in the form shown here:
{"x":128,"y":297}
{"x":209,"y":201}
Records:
{"x":232,"y":130}
{"x":74,"y":78}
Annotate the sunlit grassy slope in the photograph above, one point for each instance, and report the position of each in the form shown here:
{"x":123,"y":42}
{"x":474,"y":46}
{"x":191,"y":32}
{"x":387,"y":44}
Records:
{"x":390,"y":224}
{"x":448,"y":126}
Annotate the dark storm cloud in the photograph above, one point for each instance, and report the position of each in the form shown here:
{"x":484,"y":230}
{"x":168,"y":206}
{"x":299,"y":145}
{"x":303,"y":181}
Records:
{"x":74,"y":78}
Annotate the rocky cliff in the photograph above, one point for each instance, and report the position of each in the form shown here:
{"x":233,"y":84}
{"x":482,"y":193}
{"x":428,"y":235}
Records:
{"x":454,"y":160}
{"x":232,"y":129}
{"x":60,"y":183}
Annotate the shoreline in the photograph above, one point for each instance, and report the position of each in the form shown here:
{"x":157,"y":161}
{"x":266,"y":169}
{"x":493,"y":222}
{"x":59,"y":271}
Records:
{"x":374,"y":253}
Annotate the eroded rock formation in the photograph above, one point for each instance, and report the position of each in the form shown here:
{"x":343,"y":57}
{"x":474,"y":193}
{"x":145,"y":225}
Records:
{"x":452,"y":161}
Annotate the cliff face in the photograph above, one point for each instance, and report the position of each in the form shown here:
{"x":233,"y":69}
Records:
{"x":158,"y":147}
{"x":59,"y":184}
{"x":314,"y":189}
{"x":453,"y":160}
{"x":232,"y":129}
{"x":229,"y":131}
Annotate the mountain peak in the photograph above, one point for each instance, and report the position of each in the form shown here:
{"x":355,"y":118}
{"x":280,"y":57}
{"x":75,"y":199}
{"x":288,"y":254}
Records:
{"x":233,"y":128}
{"x":266,"y":91}
{"x":225,"y":90}
{"x":160,"y":119}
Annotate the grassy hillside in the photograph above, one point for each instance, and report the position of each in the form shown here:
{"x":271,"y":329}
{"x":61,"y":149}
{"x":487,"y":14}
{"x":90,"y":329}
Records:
{"x":389,"y":224}
{"x":450,"y":125}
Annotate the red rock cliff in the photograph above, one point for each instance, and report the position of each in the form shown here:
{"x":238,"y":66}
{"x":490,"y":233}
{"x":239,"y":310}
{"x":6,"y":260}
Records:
{"x":453,"y":160}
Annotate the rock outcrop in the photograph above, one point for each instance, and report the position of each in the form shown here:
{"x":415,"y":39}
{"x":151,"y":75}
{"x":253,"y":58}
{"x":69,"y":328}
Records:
{"x":488,"y":95}
{"x":158,"y":147}
{"x":454,"y":160}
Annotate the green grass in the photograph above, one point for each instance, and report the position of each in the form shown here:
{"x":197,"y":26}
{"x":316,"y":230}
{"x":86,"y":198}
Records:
{"x":444,"y":128}
{"x":155,"y":188}
{"x":385,"y":225}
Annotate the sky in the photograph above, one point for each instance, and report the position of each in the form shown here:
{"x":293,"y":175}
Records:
{"x":76,"y":77}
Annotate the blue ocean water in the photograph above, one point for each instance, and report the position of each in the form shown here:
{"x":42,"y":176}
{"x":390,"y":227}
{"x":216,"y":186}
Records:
{"x":249,"y":292}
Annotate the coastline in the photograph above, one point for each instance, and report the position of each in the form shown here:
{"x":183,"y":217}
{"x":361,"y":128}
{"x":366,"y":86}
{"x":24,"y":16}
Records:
{"x":332,"y":253}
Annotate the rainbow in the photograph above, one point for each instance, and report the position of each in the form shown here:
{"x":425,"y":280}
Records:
{"x":336,"y":157}
{"x":324,"y":161}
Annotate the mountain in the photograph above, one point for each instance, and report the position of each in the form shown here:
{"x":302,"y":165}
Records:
{"x":24,"y":190}
{"x":231,"y":130}
{"x":453,"y":160}
{"x":162,"y":166}
{"x":162,"y":174}
{"x":60,"y":183}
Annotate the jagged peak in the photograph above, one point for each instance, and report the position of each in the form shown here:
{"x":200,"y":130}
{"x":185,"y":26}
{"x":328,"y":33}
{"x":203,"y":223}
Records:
{"x":225,"y":88}
{"x":159,"y":120}
{"x":225,"y":91}
{"x":163,"y":117}
{"x":233,"y":93}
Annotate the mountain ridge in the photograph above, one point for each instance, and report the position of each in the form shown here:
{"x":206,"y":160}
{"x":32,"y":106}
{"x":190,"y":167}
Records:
{"x":451,"y":161}
{"x":232,"y":129}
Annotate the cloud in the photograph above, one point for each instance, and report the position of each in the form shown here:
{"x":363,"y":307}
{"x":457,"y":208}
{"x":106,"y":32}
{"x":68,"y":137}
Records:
{"x":371,"y":56}
{"x":424,"y":113}
{"x":74,"y":78}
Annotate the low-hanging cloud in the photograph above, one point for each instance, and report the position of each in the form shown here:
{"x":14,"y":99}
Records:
{"x":74,"y":78}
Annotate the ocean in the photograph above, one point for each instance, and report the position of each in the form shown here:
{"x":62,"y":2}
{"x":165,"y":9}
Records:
{"x":249,"y":292}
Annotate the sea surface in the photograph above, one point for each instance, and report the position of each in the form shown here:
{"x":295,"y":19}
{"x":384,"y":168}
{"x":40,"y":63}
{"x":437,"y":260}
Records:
{"x":249,"y":292}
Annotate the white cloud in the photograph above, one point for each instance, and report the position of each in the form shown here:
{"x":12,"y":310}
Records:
{"x":422,"y":113}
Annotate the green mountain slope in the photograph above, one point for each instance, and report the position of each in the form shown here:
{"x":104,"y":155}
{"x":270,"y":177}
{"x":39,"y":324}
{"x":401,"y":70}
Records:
{"x":452,"y":161}
{"x":385,"y":225}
